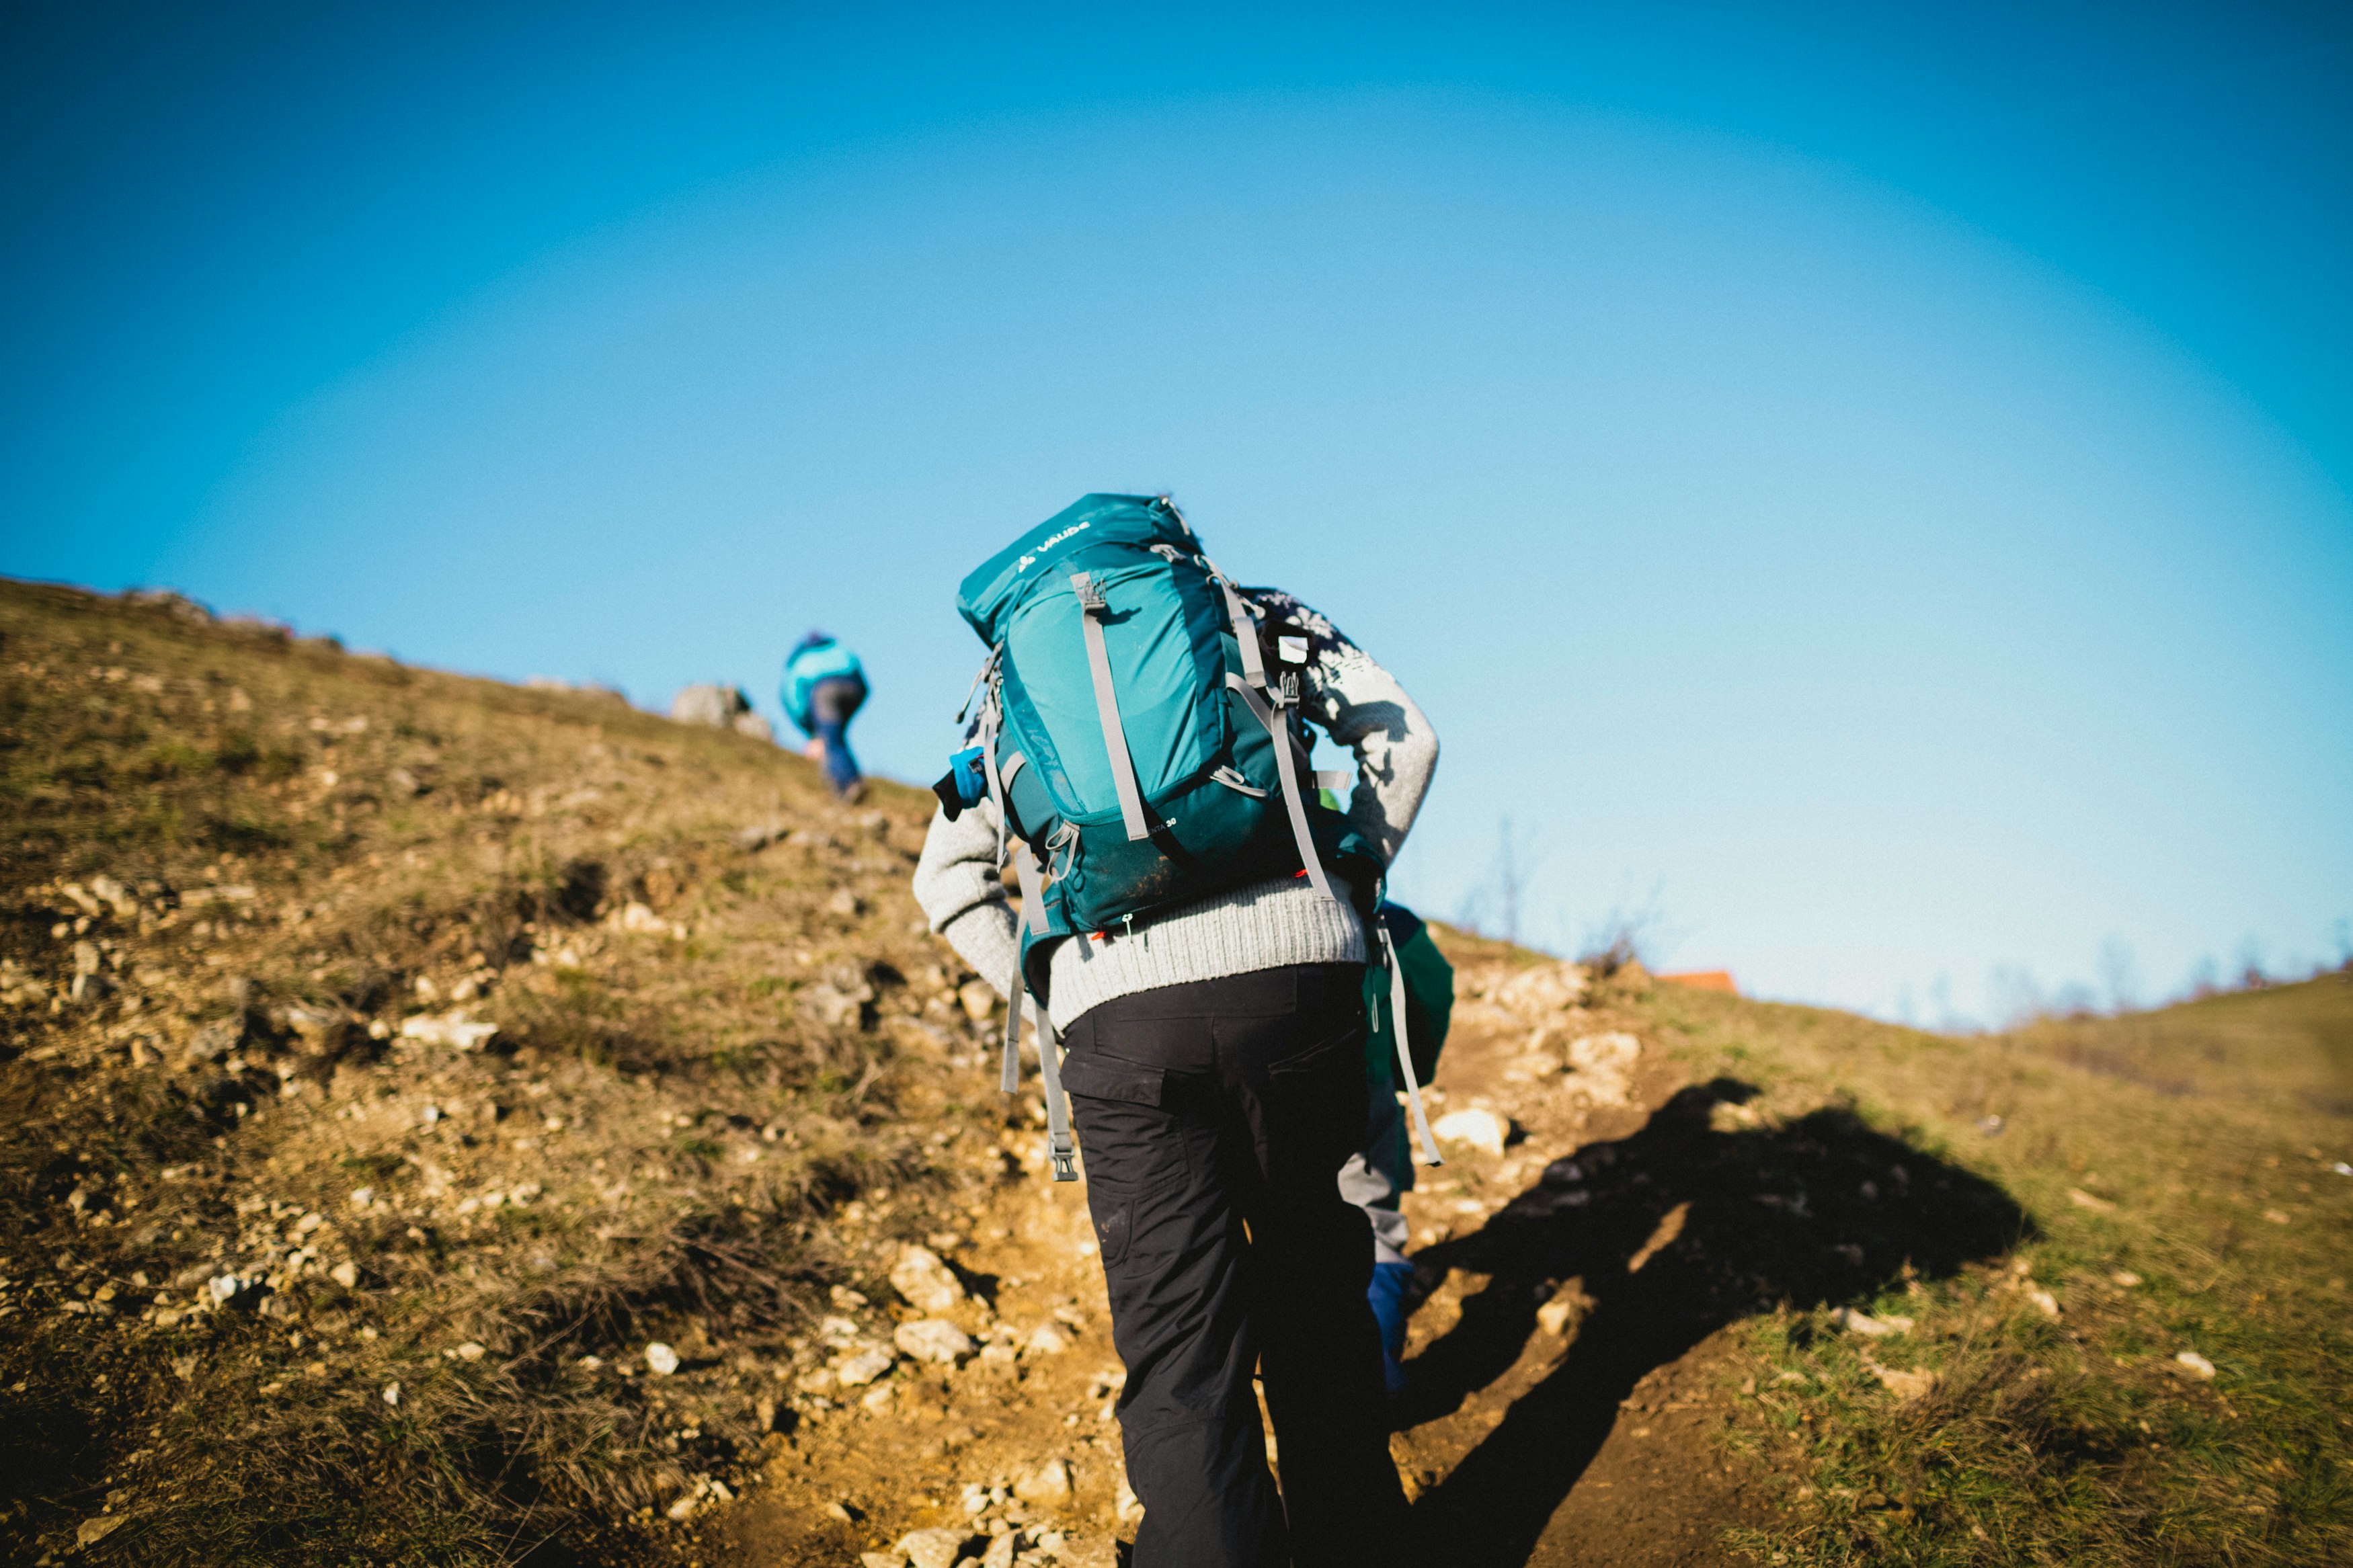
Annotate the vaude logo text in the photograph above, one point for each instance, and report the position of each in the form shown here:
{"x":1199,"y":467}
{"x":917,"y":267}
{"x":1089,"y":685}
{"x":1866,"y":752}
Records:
{"x":1049,"y":543}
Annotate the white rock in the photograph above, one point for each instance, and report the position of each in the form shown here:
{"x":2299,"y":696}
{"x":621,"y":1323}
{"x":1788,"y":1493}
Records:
{"x":863,"y":1367}
{"x":1861,"y":1323}
{"x":453,"y":1029}
{"x":116,"y":894}
{"x":346,"y":1274}
{"x":1047,"y":1341}
{"x":2044,"y":1300}
{"x":225,"y":1287}
{"x":469,"y":1351}
{"x":2197,"y":1366}
{"x":979,"y":1000}
{"x":1049,"y":1483}
{"x":1000,"y":1550}
{"x":1905,"y":1385}
{"x":932,"y":1548}
{"x":933,"y":1339}
{"x":1480,"y":1129}
{"x":1548,"y":988}
{"x":660,"y":1358}
{"x":927,"y":1283}
{"x":98,"y":1529}
{"x":392,"y":1395}
{"x":637,"y":917}
{"x":717,"y":706}
{"x":1604,"y":1065}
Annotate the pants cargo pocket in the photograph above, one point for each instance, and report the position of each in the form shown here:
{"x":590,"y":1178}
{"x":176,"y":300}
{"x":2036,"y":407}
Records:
{"x":1124,"y":1137}
{"x":1112,"y":1209}
{"x":1315,"y":1103}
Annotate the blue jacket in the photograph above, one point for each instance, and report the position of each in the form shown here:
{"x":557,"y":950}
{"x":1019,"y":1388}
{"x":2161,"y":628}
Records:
{"x":818,"y":658}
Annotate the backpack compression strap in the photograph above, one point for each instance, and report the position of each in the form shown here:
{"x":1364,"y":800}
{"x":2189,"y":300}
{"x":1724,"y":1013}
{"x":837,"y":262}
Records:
{"x":1284,"y":698}
{"x":1009,"y":1077}
{"x":1093,"y":608}
{"x":1050,"y":1044}
{"x":1058,"y":1104}
{"x":1271,"y":712}
{"x":1429,"y":1156}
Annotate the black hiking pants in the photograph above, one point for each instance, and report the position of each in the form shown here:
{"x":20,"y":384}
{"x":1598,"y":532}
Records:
{"x":1213,"y":1118}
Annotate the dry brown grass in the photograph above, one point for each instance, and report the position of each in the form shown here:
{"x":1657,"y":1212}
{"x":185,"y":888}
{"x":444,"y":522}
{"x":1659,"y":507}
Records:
{"x":711,"y":1099}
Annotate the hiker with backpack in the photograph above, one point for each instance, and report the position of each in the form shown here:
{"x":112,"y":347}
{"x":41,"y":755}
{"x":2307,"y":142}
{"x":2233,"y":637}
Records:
{"x":1380,"y":1172}
{"x":824,"y":687}
{"x":1195,"y":928}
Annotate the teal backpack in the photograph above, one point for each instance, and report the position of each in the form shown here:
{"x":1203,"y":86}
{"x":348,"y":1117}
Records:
{"x":1142,"y":749}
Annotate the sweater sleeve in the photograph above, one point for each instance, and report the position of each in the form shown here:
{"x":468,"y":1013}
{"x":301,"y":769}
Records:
{"x":1361,"y":706}
{"x":957,"y":886}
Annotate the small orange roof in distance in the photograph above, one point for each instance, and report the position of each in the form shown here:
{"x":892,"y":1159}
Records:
{"x":1704,"y":980}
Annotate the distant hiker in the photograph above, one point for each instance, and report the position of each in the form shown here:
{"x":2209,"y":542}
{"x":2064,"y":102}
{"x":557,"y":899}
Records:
{"x":1195,"y":927}
{"x":824,"y":686}
{"x":1381,"y":1171}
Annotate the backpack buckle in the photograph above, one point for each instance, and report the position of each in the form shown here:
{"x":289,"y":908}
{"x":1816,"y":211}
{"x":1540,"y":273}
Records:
{"x":1090,"y":595}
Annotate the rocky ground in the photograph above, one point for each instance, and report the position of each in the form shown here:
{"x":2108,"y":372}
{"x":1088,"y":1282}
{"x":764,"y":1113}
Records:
{"x":446,"y":1123}
{"x":1011,"y":1454}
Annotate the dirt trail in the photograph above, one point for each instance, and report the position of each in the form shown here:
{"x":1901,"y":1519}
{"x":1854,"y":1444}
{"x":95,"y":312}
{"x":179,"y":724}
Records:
{"x":1572,"y":1424}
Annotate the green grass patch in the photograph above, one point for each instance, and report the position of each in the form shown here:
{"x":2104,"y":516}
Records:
{"x":2179,"y":1173}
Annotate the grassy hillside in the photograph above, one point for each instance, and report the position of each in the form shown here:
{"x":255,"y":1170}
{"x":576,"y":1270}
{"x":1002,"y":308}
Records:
{"x":299,"y":1266}
{"x":388,"y":1058}
{"x":2183,"y":1194}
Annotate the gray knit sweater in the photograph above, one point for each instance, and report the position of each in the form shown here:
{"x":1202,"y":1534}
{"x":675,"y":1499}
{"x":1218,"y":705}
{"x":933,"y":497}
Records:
{"x":1265,"y":925}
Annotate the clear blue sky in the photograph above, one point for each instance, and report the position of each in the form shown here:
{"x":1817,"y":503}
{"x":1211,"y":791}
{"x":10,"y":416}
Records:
{"x":1868,"y":483}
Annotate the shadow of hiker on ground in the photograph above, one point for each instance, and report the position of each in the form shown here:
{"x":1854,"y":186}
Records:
{"x":1673,"y":1233}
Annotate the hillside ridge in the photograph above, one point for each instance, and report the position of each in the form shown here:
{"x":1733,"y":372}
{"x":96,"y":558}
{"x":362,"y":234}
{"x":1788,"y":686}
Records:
{"x":450,"y":1122}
